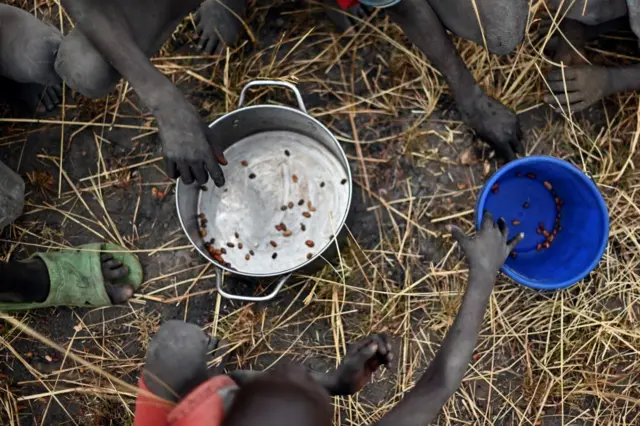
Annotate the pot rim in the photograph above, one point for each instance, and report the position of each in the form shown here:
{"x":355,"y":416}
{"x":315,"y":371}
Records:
{"x":338,"y":229}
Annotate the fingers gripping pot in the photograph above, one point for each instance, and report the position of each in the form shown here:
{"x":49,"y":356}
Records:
{"x":286,"y":199}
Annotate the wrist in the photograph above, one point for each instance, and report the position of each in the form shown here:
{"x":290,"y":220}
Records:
{"x":480,"y":285}
{"x":157,"y":92}
{"x":483,"y":272}
{"x":466,"y":93}
{"x":621,"y":79}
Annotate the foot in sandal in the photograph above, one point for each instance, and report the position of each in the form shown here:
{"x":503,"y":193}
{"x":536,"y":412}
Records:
{"x":92,"y":275}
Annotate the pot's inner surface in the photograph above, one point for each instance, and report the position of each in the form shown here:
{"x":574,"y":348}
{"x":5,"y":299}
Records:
{"x":274,"y":178}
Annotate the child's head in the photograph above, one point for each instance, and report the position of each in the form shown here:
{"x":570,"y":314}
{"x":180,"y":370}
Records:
{"x":285,"y":396}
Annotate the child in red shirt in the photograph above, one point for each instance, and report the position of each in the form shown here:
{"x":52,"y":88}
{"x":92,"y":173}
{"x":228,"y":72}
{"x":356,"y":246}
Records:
{"x":175,"y":388}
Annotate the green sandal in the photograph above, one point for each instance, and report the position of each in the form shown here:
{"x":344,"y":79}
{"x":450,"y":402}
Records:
{"x":76,"y":277}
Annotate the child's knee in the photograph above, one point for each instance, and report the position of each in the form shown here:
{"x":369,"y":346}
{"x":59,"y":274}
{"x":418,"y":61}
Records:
{"x":505,"y":25}
{"x":83,"y":68}
{"x":176,"y":360}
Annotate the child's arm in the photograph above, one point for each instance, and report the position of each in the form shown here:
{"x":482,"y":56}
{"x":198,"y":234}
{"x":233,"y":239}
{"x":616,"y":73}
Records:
{"x":486,"y":253}
{"x":361,"y":362}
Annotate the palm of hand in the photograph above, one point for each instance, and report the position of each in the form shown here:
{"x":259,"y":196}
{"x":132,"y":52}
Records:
{"x":488,"y":250}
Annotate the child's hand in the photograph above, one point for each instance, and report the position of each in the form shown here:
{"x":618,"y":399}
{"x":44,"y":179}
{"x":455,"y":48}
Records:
{"x":362,"y":360}
{"x":489,"y":248}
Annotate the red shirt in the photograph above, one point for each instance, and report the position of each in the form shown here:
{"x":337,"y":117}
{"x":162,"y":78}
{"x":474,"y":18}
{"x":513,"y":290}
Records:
{"x":346,"y":4}
{"x":204,"y":406}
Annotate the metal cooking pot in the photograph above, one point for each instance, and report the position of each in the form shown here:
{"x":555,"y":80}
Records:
{"x":285,"y":202}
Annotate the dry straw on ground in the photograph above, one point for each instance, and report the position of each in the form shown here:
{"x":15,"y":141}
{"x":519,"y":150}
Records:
{"x":570,"y":357}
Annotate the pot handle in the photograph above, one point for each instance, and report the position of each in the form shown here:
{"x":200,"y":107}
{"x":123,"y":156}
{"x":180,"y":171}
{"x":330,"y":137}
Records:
{"x":274,"y":293}
{"x":290,"y":86}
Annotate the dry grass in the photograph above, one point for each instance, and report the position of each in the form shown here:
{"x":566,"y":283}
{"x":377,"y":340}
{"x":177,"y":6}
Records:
{"x":570,"y":357}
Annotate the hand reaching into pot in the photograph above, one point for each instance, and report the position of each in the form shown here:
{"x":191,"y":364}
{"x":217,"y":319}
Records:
{"x":189,"y":147}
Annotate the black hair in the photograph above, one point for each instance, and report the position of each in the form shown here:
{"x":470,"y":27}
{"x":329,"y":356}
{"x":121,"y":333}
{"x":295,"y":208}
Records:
{"x":286,"y":396}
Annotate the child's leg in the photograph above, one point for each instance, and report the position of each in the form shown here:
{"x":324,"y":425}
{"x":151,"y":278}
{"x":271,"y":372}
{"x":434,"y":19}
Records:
{"x":24,"y":281}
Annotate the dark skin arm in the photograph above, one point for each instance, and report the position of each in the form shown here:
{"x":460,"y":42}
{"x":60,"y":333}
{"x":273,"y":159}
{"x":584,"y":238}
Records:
{"x":189,"y":148}
{"x":486,"y":253}
{"x":491,"y":120}
{"x":176,"y":363}
{"x":362,"y":360}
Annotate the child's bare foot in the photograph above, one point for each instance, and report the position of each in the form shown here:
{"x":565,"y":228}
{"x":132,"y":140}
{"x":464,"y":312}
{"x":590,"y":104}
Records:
{"x":219,"y":21}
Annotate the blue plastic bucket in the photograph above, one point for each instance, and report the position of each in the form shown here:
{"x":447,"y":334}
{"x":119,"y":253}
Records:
{"x":539,"y":193}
